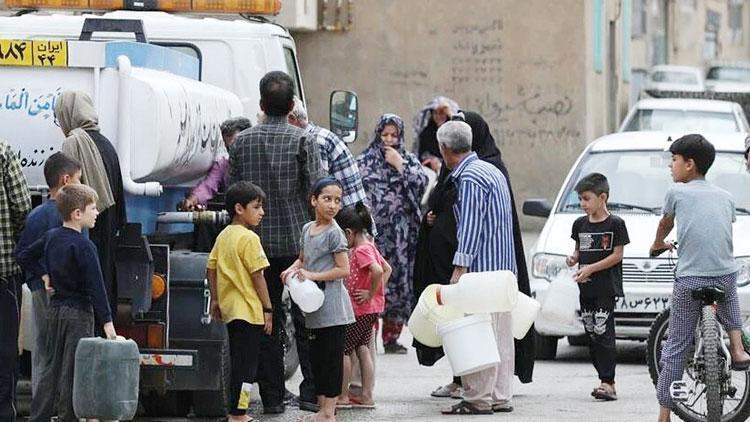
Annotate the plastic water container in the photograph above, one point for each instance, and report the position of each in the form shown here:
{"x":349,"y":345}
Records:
{"x":424,"y":321}
{"x":523,"y":315}
{"x":469,"y":343}
{"x":561,"y":299}
{"x":105,"y":380}
{"x":481,"y":292}
{"x":306,"y":294}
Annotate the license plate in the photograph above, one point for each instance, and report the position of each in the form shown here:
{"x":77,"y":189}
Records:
{"x":641,"y":304}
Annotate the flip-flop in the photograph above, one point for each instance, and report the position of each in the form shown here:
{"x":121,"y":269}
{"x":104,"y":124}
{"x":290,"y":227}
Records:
{"x":603,"y":393}
{"x":444,"y":391}
{"x":465,"y":408}
{"x":356,"y":403}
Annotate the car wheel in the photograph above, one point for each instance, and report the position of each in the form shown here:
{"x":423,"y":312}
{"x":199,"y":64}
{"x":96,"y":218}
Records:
{"x":546,"y":347}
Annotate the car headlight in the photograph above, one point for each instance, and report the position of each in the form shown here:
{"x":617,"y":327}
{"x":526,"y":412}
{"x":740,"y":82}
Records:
{"x":743,"y":277}
{"x":547,"y":266}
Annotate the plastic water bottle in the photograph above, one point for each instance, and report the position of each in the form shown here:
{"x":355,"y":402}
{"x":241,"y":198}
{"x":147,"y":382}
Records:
{"x":305,"y":294}
{"x":481,"y":292}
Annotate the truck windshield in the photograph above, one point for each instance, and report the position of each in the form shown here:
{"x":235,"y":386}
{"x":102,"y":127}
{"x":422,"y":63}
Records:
{"x":730,"y":74}
{"x":683,"y":121}
{"x":638,"y":180}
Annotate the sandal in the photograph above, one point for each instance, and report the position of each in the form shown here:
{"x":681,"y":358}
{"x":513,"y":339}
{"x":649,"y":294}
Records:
{"x":357,"y":403}
{"x":605,"y":392}
{"x":465,"y":408}
{"x":445,"y":391}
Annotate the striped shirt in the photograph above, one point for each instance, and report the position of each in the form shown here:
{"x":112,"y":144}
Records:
{"x":484,"y":217}
{"x":285,"y":163}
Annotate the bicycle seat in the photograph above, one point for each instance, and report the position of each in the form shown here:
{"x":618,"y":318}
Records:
{"x":708,"y":295}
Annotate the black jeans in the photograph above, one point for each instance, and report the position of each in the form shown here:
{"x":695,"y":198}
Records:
{"x":244,"y":346}
{"x":327,"y":358}
{"x":66,"y":326}
{"x":598,"y":318}
{"x":271,"y":368}
{"x":10,"y":295}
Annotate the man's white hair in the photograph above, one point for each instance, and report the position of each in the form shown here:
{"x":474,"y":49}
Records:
{"x":299,"y":113}
{"x":455,"y":135}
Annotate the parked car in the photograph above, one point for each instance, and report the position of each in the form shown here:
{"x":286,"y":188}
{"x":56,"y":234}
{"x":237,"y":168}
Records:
{"x":728,"y":77}
{"x":636,"y":165}
{"x":685,"y":114}
{"x":675,"y":78}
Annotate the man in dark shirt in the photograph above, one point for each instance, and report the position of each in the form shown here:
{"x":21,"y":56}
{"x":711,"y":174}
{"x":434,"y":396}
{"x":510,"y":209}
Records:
{"x":284,"y":162}
{"x":59,"y":170}
{"x":15,"y":203}
{"x":75,"y":277}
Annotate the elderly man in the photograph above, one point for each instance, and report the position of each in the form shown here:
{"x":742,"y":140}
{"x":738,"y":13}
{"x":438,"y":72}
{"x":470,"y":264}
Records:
{"x":284,"y":161}
{"x":485,"y":243}
{"x":15,"y":203}
{"x":335,"y":157}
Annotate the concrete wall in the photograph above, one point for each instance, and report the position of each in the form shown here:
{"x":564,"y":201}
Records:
{"x":522,"y":65}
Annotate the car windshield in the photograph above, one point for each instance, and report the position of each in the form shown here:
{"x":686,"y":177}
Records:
{"x":675,"y":77}
{"x":731,"y":74}
{"x":682,"y":121}
{"x":638,"y":180}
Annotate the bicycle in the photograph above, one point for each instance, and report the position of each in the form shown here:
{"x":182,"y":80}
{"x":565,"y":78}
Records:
{"x":709,"y":390}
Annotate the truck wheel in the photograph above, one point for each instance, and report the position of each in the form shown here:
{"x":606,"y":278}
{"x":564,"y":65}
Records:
{"x":291,"y":358}
{"x":546,"y":347}
{"x":214,"y":403}
{"x":173,"y":403}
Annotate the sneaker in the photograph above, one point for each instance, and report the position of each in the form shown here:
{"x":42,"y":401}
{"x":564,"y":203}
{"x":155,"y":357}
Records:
{"x":394,"y":349}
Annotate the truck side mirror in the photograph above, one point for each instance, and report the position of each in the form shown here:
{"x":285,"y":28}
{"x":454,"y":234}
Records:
{"x":344,"y":115}
{"x":537,"y":208}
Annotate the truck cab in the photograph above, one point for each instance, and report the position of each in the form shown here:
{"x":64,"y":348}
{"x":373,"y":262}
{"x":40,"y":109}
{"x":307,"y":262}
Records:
{"x":220,"y":60}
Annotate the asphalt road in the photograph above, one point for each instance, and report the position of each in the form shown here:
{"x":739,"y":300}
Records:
{"x":560,"y":391}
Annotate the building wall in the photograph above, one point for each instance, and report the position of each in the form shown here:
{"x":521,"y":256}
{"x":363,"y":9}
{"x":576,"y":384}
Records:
{"x":522,"y":65}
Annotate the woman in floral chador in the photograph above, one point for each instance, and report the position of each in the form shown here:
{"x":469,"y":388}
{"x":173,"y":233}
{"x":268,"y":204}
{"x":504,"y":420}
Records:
{"x":394,"y":182}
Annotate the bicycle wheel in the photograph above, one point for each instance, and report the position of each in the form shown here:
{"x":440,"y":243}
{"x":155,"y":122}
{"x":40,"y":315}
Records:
{"x":713,"y":371}
{"x":736,"y":406}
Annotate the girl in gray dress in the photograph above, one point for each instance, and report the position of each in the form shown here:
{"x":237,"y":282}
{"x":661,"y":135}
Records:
{"x":324,"y":260}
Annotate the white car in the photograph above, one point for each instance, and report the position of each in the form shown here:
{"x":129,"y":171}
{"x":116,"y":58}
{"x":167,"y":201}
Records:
{"x":675,"y":78}
{"x":685,"y":115}
{"x":728,"y":77}
{"x":636,"y":165}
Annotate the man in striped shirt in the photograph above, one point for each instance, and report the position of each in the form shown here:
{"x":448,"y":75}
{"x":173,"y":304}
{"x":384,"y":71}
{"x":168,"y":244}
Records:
{"x":485,"y":243}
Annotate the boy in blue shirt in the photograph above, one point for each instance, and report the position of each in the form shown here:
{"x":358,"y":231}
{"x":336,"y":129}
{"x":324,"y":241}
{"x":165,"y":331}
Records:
{"x":59,"y":170}
{"x":72,"y":265}
{"x":704,"y":215}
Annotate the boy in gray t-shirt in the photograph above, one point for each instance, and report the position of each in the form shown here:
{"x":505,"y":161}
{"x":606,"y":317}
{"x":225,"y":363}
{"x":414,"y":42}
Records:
{"x":704,"y":215}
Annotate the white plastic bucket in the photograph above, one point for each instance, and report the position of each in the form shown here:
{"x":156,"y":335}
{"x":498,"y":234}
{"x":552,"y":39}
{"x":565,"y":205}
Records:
{"x":424,"y":321}
{"x":523,"y":315}
{"x":469,"y":343}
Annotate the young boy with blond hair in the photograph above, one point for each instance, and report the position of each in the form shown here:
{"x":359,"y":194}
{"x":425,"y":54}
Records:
{"x":75,"y":277}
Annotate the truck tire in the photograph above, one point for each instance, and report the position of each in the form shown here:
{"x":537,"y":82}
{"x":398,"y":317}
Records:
{"x":546,"y":347}
{"x":291,"y":357}
{"x":214,"y":403}
{"x":173,"y":403}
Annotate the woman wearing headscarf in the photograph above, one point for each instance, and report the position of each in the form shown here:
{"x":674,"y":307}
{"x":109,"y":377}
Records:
{"x":426,"y":123}
{"x":394,"y":182}
{"x":100,"y":169}
{"x":437,"y":244}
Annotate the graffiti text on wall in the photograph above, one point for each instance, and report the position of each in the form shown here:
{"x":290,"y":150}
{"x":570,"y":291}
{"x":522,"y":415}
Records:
{"x":22,"y":100}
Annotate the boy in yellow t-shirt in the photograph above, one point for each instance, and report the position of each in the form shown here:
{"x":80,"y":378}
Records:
{"x":239,"y":294}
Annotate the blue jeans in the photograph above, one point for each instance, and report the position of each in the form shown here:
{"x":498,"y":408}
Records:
{"x":10,"y":294}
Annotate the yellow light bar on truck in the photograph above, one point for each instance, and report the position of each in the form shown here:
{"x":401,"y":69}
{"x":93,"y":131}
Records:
{"x":253,"y":7}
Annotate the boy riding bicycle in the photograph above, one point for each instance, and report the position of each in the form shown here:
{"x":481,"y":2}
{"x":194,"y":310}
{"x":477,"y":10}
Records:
{"x":705,"y":214}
